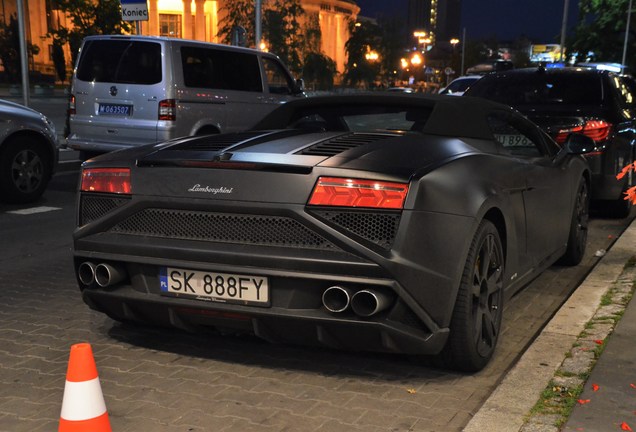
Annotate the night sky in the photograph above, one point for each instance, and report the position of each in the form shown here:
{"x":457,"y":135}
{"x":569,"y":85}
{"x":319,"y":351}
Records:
{"x":539,"y":20}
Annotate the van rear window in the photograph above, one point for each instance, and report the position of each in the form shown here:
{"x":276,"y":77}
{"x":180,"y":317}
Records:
{"x":120,"y":61}
{"x":220,"y":69}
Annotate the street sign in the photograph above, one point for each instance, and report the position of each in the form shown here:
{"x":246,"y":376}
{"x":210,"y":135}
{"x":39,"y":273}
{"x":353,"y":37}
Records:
{"x":134,"y":10}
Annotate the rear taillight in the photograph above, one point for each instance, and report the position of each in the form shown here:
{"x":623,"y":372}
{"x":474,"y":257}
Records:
{"x":168,"y":110}
{"x":346,"y":192}
{"x":598,"y":130}
{"x":107,"y":180}
{"x":71,"y":105}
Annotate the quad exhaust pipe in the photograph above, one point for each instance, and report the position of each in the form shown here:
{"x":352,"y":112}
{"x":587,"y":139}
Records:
{"x":369,"y":302}
{"x":364,"y":303}
{"x":103,"y":274}
{"x":337,"y":299}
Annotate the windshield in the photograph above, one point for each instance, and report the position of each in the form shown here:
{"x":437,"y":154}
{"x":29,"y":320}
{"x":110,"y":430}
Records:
{"x":359,"y":119}
{"x":540,"y":89}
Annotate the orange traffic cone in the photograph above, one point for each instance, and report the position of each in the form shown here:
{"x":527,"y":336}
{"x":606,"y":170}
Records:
{"x":83,"y":407}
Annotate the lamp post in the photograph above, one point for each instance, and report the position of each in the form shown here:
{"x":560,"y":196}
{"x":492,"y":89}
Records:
{"x":629,"y":15}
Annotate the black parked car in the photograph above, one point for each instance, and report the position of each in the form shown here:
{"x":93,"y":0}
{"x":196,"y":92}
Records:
{"x":385,"y":222}
{"x":599,"y":104}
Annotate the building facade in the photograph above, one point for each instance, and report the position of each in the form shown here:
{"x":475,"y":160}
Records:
{"x":188,"y":19}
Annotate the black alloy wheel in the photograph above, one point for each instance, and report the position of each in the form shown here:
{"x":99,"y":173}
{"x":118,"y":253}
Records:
{"x":25,"y":170}
{"x":577,"y":237}
{"x":476,"y":321}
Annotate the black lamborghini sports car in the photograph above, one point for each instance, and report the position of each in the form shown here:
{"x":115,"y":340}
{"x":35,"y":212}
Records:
{"x":393,"y":223}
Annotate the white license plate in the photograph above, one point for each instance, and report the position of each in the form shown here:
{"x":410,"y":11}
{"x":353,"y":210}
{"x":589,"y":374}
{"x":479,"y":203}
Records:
{"x":114,"y":109}
{"x":213,"y":286}
{"x":513,"y":140}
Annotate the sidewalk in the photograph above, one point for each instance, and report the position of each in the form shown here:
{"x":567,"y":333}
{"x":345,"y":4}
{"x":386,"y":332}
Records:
{"x":560,"y":358}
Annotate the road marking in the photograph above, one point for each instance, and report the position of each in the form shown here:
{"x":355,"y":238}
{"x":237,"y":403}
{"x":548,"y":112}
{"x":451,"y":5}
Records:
{"x":33,"y":210}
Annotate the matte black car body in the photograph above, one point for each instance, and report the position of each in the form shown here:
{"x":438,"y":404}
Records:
{"x":561,"y":100}
{"x":238,"y":204}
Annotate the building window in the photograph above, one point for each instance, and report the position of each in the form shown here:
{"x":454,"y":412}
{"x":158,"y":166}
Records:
{"x":170,"y":25}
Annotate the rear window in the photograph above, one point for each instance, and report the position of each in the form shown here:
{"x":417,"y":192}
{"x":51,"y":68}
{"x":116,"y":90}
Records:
{"x":540,"y":89}
{"x":120,"y":62}
{"x":220,"y":69}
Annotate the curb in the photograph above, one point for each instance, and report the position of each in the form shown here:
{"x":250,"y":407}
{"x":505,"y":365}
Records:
{"x":508,"y":407}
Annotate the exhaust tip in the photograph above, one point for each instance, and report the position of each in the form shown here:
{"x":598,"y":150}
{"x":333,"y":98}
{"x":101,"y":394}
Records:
{"x":369,"y":302}
{"x":336,"y":299}
{"x":86,"y":273}
{"x":107,"y":275}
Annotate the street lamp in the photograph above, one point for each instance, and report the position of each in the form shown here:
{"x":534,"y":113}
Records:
{"x":629,"y":15}
{"x":416,"y":59}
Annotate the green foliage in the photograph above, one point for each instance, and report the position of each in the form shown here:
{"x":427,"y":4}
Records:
{"x":358,"y":70}
{"x":10,"y":50}
{"x":318,"y":71}
{"x":89,"y":17}
{"x":283,"y":33}
{"x":601,"y":30}
{"x":239,"y":13}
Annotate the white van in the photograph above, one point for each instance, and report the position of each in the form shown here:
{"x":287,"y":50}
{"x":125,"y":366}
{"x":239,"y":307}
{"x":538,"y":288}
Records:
{"x":133,"y":90}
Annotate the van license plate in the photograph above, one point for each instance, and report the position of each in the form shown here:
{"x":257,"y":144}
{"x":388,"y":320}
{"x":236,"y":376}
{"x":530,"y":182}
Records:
{"x":213,"y":286}
{"x":114,"y":109}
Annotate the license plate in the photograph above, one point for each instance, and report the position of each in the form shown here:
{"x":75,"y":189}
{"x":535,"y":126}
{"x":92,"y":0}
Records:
{"x":513,"y":140}
{"x":213,"y":286}
{"x":114,"y":109}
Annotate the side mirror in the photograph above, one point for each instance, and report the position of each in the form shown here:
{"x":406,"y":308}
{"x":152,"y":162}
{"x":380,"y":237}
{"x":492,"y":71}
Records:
{"x":299,"y":86}
{"x":579,"y":144}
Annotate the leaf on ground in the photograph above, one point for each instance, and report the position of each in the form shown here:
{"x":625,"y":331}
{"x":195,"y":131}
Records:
{"x":595,"y":387}
{"x":411,"y":391}
{"x":625,"y":427}
{"x":583,"y":401}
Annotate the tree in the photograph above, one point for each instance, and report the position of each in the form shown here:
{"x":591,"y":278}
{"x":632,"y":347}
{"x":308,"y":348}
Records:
{"x":283,"y":33}
{"x":10,"y":49}
{"x":239,"y":13}
{"x":600,"y":32}
{"x":359,"y":70}
{"x":319,"y":71}
{"x":89,"y":17}
{"x":391,"y":47}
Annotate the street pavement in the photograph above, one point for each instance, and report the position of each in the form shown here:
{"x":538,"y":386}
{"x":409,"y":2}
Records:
{"x":608,"y":401}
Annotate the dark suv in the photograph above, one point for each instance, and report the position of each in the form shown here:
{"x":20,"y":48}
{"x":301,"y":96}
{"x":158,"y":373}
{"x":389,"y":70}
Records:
{"x":599,"y":104}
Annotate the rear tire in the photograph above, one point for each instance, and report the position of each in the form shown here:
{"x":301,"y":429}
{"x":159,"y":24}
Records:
{"x":476,"y":320}
{"x":577,"y":237}
{"x":25,"y":170}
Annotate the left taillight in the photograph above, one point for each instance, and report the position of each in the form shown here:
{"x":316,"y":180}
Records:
{"x":71,"y":105}
{"x":598,"y":130}
{"x":106,"y":180}
{"x":348,"y":192}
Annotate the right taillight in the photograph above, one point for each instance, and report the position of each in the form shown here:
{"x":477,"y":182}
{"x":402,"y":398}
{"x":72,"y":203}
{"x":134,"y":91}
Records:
{"x":598,"y":130}
{"x":168,"y":110}
{"x":348,"y":192}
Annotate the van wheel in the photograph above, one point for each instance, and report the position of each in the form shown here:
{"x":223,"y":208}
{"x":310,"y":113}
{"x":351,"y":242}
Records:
{"x":25,"y":170}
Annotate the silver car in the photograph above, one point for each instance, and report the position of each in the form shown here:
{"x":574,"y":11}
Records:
{"x":28,"y":152}
{"x":133,"y":90}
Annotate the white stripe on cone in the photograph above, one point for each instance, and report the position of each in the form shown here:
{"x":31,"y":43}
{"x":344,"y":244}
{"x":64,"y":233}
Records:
{"x":82,"y":400}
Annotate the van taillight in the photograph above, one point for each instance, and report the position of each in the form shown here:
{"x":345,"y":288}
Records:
{"x":598,"y":130}
{"x":168,"y":110}
{"x":71,"y":105}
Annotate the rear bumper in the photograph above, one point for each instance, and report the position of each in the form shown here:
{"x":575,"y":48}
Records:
{"x":296,"y":314}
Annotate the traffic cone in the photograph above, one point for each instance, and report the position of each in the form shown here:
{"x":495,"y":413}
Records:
{"x":83,"y":407}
